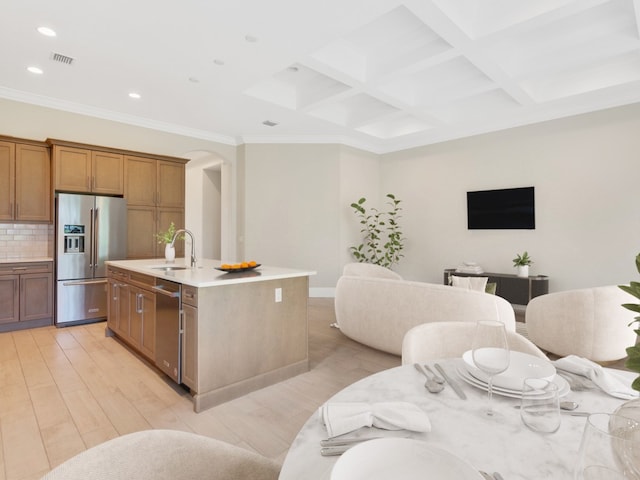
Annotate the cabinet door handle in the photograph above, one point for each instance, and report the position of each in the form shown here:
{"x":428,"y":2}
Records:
{"x":15,"y":269}
{"x":138,"y":303}
{"x":115,"y":291}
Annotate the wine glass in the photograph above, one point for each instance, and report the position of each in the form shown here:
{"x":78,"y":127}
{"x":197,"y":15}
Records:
{"x":490,"y":352}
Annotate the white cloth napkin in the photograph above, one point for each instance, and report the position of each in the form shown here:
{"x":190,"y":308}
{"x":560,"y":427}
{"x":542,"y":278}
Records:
{"x":343,"y":417}
{"x":608,"y":381}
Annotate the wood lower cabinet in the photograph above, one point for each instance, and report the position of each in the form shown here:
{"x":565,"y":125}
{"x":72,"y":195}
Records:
{"x":25,"y":182}
{"x":142,"y":321}
{"x":87,"y":170}
{"x":132,"y":310}
{"x":26,"y":295}
{"x":189,"y":336}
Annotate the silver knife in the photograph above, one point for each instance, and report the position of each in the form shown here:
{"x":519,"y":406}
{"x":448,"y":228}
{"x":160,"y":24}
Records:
{"x":337,"y":442}
{"x":454,"y":385}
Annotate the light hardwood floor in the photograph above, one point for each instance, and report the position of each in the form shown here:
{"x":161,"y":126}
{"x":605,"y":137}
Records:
{"x":65,"y":390}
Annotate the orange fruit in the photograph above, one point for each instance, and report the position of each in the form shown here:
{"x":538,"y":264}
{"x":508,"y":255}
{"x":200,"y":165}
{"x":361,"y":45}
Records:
{"x":252,"y":263}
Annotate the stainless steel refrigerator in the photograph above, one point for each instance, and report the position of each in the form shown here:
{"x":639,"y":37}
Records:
{"x":90,"y":229}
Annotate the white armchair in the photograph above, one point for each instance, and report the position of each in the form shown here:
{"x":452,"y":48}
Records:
{"x":589,"y":323}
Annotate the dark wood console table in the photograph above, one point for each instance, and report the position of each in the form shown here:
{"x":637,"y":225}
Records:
{"x":514,"y":289}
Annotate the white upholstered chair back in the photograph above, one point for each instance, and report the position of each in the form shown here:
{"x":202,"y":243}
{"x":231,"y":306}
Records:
{"x":369,"y":270}
{"x":438,"y":340}
{"x":165,"y":455}
{"x":588,"y":322}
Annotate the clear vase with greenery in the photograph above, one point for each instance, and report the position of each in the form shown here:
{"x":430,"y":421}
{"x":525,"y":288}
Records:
{"x":382,"y":243}
{"x":633,"y":352}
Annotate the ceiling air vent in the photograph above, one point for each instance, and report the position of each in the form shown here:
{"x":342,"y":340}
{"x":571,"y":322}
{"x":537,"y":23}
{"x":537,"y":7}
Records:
{"x":58,"y":57}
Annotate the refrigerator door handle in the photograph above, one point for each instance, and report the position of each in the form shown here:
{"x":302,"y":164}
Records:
{"x":96,"y":227}
{"x":91,"y":218}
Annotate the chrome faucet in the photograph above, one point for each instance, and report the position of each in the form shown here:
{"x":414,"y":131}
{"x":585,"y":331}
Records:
{"x":193,"y":244}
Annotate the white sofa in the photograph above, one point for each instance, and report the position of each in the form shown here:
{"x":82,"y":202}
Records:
{"x":376,"y":307}
{"x":588,"y":322}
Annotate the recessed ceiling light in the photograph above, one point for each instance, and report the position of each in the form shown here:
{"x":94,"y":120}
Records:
{"x":134,"y":95}
{"x":270,"y":123}
{"x":218,"y":61}
{"x":293,"y":69}
{"x":36,"y":70}
{"x":46,"y":31}
{"x":251,"y":38}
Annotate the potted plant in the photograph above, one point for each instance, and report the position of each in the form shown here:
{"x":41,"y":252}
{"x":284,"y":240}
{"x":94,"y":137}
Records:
{"x":382,"y":243}
{"x":522,"y":262}
{"x":166,"y":237}
{"x":633,"y":352}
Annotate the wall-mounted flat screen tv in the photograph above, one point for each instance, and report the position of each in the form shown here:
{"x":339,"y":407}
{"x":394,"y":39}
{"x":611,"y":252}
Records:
{"x":508,"y":208}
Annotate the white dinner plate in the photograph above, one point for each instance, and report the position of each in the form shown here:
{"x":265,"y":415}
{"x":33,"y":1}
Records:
{"x":401,"y":458}
{"x":521,"y":366}
{"x":563,"y":385}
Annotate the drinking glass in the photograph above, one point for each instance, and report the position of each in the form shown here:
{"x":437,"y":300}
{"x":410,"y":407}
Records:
{"x":540,"y":406}
{"x":490,"y":352}
{"x":611,"y":444}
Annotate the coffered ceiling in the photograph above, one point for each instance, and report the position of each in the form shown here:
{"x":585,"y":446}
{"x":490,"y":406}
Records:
{"x":380,"y":75}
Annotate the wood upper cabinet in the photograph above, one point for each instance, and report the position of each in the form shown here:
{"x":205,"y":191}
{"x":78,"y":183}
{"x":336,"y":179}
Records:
{"x":25,"y":183}
{"x":85,"y":170}
{"x":155,"y":191}
{"x":7,"y":180}
{"x":155,"y":183}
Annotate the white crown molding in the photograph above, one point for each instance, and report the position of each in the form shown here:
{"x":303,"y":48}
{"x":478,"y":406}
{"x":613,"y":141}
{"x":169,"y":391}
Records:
{"x":71,"y":107}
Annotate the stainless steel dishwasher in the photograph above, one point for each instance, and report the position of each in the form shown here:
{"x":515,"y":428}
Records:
{"x":169,"y":328}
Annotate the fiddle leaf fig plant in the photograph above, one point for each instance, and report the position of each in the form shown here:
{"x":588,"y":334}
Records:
{"x":382,"y":243}
{"x":633,"y":352}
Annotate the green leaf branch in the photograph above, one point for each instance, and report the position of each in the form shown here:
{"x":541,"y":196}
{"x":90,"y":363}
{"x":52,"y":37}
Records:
{"x":633,"y":352}
{"x":382,"y":242}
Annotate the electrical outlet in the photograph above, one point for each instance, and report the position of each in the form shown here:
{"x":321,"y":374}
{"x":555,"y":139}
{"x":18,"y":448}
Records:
{"x":278,"y":295}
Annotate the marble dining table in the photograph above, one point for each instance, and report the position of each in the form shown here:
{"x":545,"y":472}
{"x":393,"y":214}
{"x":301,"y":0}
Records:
{"x":499,"y":443}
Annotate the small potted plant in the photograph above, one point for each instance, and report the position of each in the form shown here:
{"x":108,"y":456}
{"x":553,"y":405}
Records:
{"x":166,"y":237}
{"x":522,"y":262}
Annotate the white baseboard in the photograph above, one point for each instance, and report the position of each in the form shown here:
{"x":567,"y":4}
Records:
{"x":324,"y":292}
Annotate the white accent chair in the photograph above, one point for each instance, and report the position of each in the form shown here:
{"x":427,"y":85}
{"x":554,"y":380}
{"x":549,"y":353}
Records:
{"x":165,"y":455}
{"x":437,"y":340}
{"x":589,"y":323}
{"x":376,"y":307}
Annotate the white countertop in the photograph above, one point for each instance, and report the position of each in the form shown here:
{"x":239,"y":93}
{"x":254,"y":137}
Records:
{"x":205,"y":274}
{"x":26,"y":260}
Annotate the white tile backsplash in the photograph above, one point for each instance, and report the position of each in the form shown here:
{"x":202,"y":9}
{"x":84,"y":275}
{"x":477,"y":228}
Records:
{"x":26,"y":240}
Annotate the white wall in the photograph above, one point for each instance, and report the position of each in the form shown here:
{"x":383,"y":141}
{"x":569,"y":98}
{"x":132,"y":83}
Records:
{"x":585,"y":171}
{"x":292,"y":208}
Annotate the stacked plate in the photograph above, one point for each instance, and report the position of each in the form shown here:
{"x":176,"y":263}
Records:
{"x":509,"y":382}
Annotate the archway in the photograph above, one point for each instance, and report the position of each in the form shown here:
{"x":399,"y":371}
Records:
{"x":209,"y":206}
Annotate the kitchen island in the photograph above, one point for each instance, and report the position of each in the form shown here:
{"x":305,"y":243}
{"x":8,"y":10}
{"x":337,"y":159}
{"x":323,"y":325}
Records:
{"x":238,"y":331}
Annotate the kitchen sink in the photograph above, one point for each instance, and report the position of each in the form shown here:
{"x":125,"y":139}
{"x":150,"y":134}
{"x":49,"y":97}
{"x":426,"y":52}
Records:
{"x":169,"y":268}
